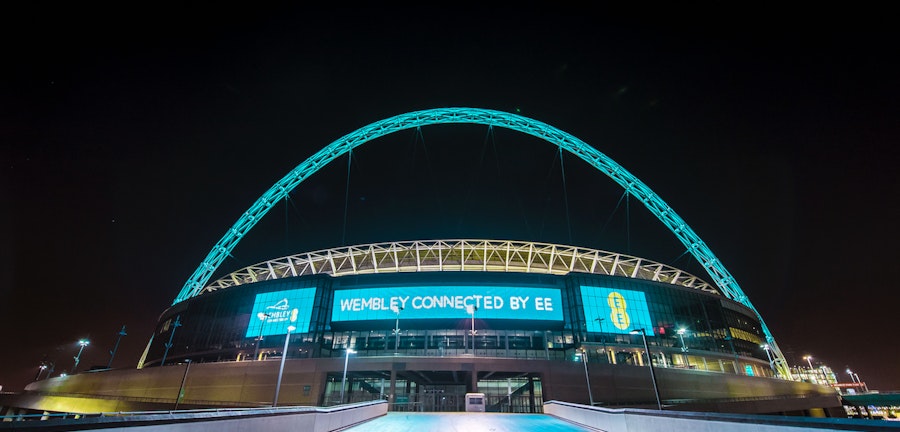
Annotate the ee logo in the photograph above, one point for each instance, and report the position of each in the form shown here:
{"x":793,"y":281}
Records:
{"x":619,"y":315}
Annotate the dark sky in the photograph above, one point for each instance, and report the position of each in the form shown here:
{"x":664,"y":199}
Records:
{"x":133,"y":139}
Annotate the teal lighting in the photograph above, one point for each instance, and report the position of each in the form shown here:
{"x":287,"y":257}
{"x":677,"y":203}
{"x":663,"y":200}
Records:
{"x":447,"y":302}
{"x":274,"y":313}
{"x":634,"y":186}
{"x":622,"y":310}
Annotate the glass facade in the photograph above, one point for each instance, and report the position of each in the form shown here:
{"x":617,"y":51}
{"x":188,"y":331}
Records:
{"x":525,"y":316}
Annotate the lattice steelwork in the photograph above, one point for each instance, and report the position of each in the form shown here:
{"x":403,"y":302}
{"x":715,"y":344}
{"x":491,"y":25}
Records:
{"x":460,"y":255}
{"x":717,"y":271}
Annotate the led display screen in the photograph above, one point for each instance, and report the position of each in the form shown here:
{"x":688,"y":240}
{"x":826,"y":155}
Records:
{"x":611,"y":310}
{"x":443,"y":302}
{"x":273,"y":312}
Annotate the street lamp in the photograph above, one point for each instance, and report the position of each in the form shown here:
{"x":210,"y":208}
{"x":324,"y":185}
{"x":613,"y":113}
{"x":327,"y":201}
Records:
{"x":83,"y":343}
{"x":287,"y":338}
{"x":587,"y":378}
{"x":346,"y":361}
{"x":168,"y":345}
{"x":850,"y":372}
{"x":684,"y":348}
{"x":680,"y":332}
{"x":396,"y":310}
{"x":262,"y":317}
{"x":112,"y":354}
{"x":43,"y":367}
{"x":824,"y":381}
{"x":471,"y":309}
{"x":649,"y":363}
{"x":603,"y":339}
{"x":183,"y":381}
{"x":808,"y":359}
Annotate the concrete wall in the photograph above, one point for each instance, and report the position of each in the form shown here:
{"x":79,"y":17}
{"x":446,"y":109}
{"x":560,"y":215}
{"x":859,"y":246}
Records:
{"x":635,"y":420}
{"x":252,"y":384}
{"x":623,"y":384}
{"x":207,"y":384}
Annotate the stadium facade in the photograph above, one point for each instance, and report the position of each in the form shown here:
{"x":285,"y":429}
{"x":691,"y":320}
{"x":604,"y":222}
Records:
{"x":406,"y":312}
{"x":422,"y":323}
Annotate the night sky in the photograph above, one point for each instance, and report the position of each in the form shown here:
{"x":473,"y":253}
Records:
{"x":131,"y":140}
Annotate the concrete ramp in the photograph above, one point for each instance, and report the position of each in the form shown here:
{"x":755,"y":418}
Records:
{"x":282,"y":419}
{"x":466,"y":422}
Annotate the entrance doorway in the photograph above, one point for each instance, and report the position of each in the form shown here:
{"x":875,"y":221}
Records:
{"x":443,"y":398}
{"x":520,"y":393}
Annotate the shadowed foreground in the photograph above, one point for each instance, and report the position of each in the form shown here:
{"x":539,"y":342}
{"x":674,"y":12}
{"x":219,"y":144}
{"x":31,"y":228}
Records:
{"x":464,"y":422}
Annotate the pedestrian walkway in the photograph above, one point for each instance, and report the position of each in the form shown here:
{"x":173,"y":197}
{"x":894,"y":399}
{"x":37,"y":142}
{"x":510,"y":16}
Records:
{"x":465,"y":422}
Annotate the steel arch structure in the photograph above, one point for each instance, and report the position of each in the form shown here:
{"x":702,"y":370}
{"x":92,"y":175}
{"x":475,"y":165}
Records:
{"x":460,"y":255}
{"x":634,"y":186}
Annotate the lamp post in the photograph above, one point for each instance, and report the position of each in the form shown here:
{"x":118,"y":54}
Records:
{"x":587,"y":377}
{"x":808,"y":359}
{"x":680,"y":332}
{"x":603,"y":339}
{"x":83,"y":343}
{"x":684,"y":348}
{"x":650,"y":363}
{"x":183,"y":381}
{"x":112,"y":354}
{"x":396,"y":310}
{"x":471,"y":309}
{"x":43,"y":367}
{"x":287,"y":338}
{"x":346,"y":361}
{"x":168,"y":345}
{"x":766,"y":347}
{"x":262,"y":317}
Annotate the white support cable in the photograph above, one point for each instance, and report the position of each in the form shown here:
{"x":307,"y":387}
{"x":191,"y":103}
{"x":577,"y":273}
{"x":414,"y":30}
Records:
{"x":396,"y":260}
{"x":552,"y":260}
{"x":506,"y":261}
{"x":418,"y":258}
{"x":312,"y":265}
{"x":374,"y":258}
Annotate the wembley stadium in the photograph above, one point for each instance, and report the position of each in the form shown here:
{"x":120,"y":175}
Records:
{"x":547,"y":320}
{"x":422,"y":323}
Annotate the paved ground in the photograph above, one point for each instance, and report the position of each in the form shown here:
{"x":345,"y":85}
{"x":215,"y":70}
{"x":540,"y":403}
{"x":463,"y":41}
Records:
{"x":465,"y":422}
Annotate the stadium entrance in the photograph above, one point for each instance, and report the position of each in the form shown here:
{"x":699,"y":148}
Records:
{"x":439,"y":391}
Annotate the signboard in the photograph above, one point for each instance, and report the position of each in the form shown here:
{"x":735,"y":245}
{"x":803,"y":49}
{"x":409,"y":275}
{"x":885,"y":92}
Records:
{"x":611,"y":310}
{"x":273,"y":312}
{"x":443,"y":302}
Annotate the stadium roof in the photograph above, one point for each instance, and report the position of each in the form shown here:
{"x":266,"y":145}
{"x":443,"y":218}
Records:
{"x":460,"y":255}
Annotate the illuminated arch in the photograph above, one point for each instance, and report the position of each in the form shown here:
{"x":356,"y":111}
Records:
{"x":635,"y":187}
